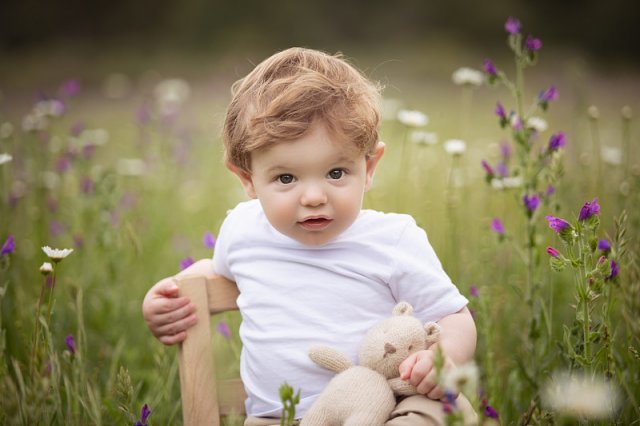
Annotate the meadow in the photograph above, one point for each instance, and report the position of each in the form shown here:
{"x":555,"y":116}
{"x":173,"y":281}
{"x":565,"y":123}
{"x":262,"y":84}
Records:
{"x":525,"y":174}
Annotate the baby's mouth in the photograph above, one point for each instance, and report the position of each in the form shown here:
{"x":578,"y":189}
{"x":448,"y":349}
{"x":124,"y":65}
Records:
{"x":315,"y":223}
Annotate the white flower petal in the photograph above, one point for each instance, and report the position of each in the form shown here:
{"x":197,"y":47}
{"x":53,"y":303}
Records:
{"x":56,"y":254}
{"x":455,"y":146}
{"x":468,"y":76}
{"x":412,"y":118}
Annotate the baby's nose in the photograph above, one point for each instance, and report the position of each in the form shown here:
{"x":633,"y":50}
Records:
{"x":313,"y":195}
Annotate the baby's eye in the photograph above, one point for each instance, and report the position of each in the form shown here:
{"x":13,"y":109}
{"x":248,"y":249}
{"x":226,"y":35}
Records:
{"x":285,"y":179}
{"x":336,"y":174}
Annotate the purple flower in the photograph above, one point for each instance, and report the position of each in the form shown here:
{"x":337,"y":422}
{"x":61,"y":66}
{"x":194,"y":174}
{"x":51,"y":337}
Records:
{"x":533,"y":44}
{"x":86,"y":185}
{"x":487,"y":168}
{"x":589,"y":209}
{"x":604,"y":245}
{"x":70,"y":88}
{"x":497,"y":226}
{"x":9,"y":246}
{"x":531,"y":202}
{"x":223,"y":328}
{"x":209,"y":240}
{"x":502,"y":169}
{"x":185,"y":263}
{"x":551,"y":94}
{"x":557,"y":141}
{"x":500,"y":112}
{"x":489,"y":68}
{"x":70,"y":343}
{"x":550,"y":190}
{"x":512,"y":26}
{"x":505,"y":150}
{"x":557,"y":224}
{"x":553,"y":252}
{"x":615,"y":270}
{"x":473,"y":291}
{"x":490,"y":412}
{"x":144,"y":416}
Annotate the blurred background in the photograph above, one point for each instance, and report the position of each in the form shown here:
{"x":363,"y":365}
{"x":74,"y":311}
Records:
{"x":110,"y":116}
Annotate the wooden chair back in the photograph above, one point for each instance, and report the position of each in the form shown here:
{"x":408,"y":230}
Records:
{"x":202,"y":402}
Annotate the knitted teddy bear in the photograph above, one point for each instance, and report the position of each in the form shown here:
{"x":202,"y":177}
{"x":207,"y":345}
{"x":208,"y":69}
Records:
{"x":364,"y":395}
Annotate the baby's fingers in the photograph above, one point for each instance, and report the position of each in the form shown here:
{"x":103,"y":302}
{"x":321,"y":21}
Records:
{"x":176,"y":327}
{"x":173,"y":339}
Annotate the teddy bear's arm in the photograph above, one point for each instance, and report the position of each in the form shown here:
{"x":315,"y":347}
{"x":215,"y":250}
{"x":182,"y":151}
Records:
{"x":330,"y":358}
{"x":401,"y":387}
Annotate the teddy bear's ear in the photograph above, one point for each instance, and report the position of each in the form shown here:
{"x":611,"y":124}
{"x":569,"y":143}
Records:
{"x":403,"y":308}
{"x":432,"y":333}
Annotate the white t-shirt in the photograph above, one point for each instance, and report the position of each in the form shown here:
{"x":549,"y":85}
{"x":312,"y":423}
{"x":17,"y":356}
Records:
{"x":294,"y":296}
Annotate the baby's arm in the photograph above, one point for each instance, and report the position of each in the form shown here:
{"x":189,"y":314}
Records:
{"x":458,"y":344}
{"x":168,"y":315}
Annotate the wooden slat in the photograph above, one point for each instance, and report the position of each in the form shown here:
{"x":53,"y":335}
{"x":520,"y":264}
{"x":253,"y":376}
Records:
{"x":222,"y":294}
{"x":197,"y":375}
{"x":231,"y":397}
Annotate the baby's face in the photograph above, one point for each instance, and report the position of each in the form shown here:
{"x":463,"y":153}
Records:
{"x":311,"y":188}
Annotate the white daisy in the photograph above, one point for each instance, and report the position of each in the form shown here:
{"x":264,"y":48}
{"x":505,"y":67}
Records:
{"x":5,"y":158}
{"x":467,"y":76}
{"x":461,"y":379}
{"x":46,"y":268}
{"x":455,"y":146}
{"x":611,"y":155}
{"x":538,"y":124}
{"x":423,"y":138}
{"x":56,"y":254}
{"x":412,"y":118}
{"x":581,"y":396}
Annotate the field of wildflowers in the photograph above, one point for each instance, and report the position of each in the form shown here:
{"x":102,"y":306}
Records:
{"x":529,"y":192}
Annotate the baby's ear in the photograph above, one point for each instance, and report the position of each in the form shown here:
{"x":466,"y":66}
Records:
{"x":245,"y":179}
{"x":403,"y":308}
{"x":432,"y":333}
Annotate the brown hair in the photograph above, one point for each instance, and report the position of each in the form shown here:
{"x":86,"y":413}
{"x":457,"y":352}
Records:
{"x":281,"y":98}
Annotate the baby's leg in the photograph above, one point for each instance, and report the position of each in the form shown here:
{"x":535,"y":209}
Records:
{"x":418,"y":410}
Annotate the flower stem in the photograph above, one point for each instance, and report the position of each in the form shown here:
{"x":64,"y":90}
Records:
{"x":36,"y":333}
{"x":53,"y":286}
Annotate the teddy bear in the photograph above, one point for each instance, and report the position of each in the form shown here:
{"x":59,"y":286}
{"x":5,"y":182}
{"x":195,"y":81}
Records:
{"x":364,"y":394}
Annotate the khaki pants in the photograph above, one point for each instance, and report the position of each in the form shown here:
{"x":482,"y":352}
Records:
{"x":416,"y":410}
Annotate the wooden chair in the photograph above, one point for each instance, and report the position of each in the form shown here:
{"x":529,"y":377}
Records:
{"x":202,"y":402}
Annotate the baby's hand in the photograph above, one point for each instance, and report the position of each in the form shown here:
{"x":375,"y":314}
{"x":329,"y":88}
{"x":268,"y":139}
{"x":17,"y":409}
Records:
{"x":419,"y":370}
{"x":168,"y":316}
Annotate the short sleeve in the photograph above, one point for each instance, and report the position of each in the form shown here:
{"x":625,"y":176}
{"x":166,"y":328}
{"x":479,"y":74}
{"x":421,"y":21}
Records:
{"x":221,"y":251}
{"x":419,"y":279}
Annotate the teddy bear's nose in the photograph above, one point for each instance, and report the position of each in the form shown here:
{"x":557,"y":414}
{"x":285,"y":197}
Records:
{"x":389,"y":348}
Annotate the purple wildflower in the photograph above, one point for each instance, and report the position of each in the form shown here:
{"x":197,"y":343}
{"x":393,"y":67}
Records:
{"x":615,"y":270}
{"x":550,"y":190}
{"x":209,"y":240}
{"x":144,"y":416}
{"x":70,"y":88}
{"x":70,"y":343}
{"x":533,"y":44}
{"x":604,"y":245}
{"x":490,"y":412}
{"x":185,"y":263}
{"x":77,"y":129}
{"x":473,"y":291}
{"x":223,"y":328}
{"x":553,"y":252}
{"x":505,"y":150}
{"x":500,"y":112}
{"x":497,"y":226}
{"x":487,"y":168}
{"x":512,"y":26}
{"x":63,"y":164}
{"x":531,"y":202}
{"x":557,"y":141}
{"x":9,"y":246}
{"x":551,"y":94}
{"x":86,"y":185}
{"x":502,"y":169}
{"x":557,"y":224}
{"x":590,"y":208}
{"x":489,"y":68}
